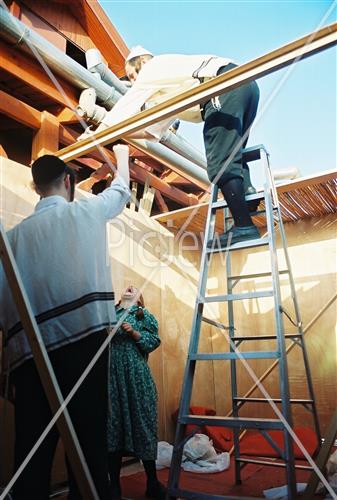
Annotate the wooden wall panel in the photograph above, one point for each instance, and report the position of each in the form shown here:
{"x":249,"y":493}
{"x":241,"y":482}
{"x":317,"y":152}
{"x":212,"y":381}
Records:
{"x":144,"y":253}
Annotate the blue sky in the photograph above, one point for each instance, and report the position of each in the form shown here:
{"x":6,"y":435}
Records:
{"x":298,"y":127}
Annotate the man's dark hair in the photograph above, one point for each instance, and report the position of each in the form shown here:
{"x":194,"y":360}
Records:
{"x":48,"y":172}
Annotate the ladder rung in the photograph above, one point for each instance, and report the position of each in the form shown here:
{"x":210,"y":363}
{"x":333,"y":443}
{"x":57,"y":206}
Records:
{"x":239,"y":422}
{"x":253,"y":153}
{"x":250,"y":197}
{"x":215,"y":323}
{"x":277,"y":400}
{"x":257,"y":275}
{"x":234,"y":355}
{"x":264,"y":337}
{"x":236,"y":296}
{"x":271,"y":463}
{"x":259,"y":242}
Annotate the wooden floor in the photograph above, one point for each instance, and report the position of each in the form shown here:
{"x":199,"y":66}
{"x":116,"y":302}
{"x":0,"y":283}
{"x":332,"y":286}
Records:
{"x":255,"y":479}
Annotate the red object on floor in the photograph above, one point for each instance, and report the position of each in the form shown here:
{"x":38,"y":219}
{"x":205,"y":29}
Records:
{"x":253,"y":443}
{"x":222,"y":437}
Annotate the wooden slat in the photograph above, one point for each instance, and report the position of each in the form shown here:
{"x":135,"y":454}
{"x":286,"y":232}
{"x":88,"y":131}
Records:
{"x":26,"y":69}
{"x":19,"y":111}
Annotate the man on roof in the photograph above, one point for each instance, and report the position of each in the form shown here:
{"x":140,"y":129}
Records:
{"x":227,"y":121}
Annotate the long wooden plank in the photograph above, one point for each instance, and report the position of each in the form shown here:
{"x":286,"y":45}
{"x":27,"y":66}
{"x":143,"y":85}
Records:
{"x":270,"y":62}
{"x":26,"y":69}
{"x":19,"y":111}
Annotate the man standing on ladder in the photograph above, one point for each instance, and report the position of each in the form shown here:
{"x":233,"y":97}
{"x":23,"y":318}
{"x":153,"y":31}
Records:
{"x":60,"y":251}
{"x":227,"y":121}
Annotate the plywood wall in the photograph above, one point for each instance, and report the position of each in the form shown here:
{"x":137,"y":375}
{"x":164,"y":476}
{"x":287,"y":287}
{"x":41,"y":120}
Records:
{"x":144,"y":253}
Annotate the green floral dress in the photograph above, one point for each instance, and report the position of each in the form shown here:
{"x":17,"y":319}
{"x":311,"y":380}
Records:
{"x":132,"y":422}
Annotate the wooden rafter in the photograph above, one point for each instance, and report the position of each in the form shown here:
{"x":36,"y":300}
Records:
{"x":140,"y":175}
{"x":29,"y":71}
{"x":137,"y":173}
{"x":19,"y":111}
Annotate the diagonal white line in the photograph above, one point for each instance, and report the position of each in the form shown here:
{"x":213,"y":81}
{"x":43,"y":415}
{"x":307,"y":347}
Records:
{"x":107,"y":159}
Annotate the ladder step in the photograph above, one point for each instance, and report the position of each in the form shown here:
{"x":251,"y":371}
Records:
{"x":250,"y":197}
{"x":259,"y":242}
{"x":235,"y":296}
{"x":253,"y":153}
{"x":239,"y":422}
{"x":277,"y":400}
{"x":257,"y":275}
{"x":264,"y":337}
{"x":233,"y":355}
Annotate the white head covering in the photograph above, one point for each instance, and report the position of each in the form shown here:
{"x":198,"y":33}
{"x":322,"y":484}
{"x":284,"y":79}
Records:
{"x":136,"y":51}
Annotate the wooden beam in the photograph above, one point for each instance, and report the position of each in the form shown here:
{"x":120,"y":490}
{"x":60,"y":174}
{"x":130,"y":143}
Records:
{"x":46,"y":139}
{"x":137,"y":173}
{"x":257,"y":68}
{"x":19,"y":111}
{"x":29,"y":71}
{"x":140,"y":175}
{"x":160,"y":202}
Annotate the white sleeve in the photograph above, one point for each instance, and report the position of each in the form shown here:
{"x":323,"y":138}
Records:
{"x":131,"y":104}
{"x":113,"y":199}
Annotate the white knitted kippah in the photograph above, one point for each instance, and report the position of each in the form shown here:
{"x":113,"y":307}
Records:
{"x":136,"y":51}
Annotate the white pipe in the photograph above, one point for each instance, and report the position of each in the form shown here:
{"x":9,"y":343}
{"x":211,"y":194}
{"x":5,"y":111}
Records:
{"x":96,"y":66}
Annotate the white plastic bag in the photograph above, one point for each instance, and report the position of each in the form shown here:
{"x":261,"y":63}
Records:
{"x":219,"y":464}
{"x":164,"y":455}
{"x":199,"y":447}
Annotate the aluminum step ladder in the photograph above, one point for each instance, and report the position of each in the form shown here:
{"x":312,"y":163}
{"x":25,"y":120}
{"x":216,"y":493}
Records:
{"x":283,"y":422}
